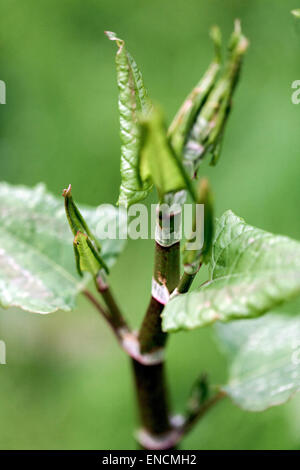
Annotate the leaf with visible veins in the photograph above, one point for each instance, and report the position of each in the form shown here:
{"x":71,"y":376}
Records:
{"x":252,"y":271}
{"x":37,"y":267}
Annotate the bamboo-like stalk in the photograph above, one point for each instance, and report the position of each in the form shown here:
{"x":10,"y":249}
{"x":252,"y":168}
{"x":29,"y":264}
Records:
{"x":166,"y":274}
{"x":150,"y":381}
{"x":152,"y":398}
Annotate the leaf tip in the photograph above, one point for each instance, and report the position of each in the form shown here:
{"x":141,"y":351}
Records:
{"x":67,"y":192}
{"x":238,"y":41}
{"x":113,"y":37}
{"x":216,"y":36}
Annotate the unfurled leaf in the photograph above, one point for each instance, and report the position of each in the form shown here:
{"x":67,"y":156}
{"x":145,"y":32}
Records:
{"x":133,"y":99}
{"x":207,"y":131}
{"x":252,"y":271}
{"x":158,"y":162}
{"x":87,"y":248}
{"x":184,"y":119}
{"x":37,"y":267}
{"x":264,"y":357}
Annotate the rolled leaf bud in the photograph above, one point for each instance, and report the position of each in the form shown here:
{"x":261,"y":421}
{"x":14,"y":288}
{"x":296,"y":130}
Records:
{"x":86,"y":247}
{"x":207,"y":131}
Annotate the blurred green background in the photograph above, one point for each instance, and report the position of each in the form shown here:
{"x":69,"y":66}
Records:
{"x":66,"y":384}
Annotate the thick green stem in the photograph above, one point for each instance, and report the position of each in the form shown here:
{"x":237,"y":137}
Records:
{"x":166,"y":274}
{"x":151,"y":388}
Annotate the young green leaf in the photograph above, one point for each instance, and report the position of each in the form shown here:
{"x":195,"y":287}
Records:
{"x":252,"y":271}
{"x":87,"y":257}
{"x":264,"y":358}
{"x":37,"y":269}
{"x":132,"y":100}
{"x":87,"y":249}
{"x":75,"y":219}
{"x":207,"y":131}
{"x":158,"y":162}
{"x":185,"y":117}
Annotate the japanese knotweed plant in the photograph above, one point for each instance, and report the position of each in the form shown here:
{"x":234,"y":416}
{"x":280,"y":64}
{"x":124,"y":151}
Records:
{"x":251,"y":271}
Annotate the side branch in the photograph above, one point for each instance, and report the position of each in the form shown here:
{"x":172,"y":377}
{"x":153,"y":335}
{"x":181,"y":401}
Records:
{"x":186,"y":281}
{"x":179,"y":428}
{"x":119,"y":332}
{"x":114,"y":312}
{"x":127,"y":339}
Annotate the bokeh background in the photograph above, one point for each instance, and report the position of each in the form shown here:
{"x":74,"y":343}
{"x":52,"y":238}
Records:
{"x":66,"y":385}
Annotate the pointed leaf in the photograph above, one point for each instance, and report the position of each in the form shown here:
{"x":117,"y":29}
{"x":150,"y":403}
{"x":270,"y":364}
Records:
{"x":264,"y":357}
{"x":87,"y":249}
{"x":251,"y":272}
{"x":37,"y":267}
{"x":158,"y":161}
{"x":208,"y":128}
{"x":132,"y":100}
{"x":75,"y":219}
